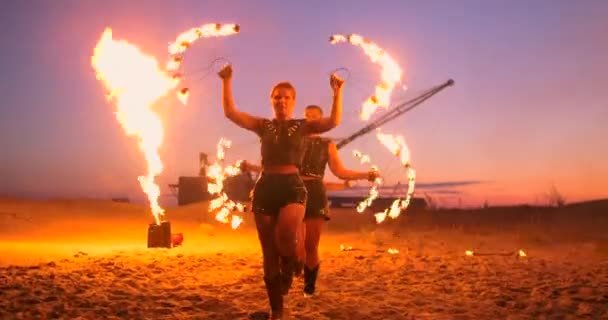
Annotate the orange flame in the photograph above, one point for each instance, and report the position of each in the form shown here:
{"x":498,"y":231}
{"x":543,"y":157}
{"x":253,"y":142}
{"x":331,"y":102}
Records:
{"x":392,"y":251}
{"x":182,"y":95}
{"x":236,"y":221}
{"x":345,"y":248}
{"x":397,"y":146}
{"x":373,"y":192}
{"x":217,"y":174}
{"x":522,"y":254}
{"x":134,"y":82}
{"x":391,"y":72}
{"x":469,"y":253}
{"x":185,"y":39}
{"x":362,"y":157}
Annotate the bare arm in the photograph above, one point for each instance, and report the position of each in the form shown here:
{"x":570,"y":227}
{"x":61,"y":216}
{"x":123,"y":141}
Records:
{"x":337,"y":167}
{"x":241,"y":119}
{"x":247,"y":166}
{"x":327,"y":123}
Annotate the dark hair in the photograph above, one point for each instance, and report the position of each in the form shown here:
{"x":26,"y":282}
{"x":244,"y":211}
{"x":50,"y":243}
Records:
{"x":284,"y":85}
{"x":314,"y":107}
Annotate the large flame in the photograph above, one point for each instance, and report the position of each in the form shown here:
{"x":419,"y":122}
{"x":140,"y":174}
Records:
{"x":396,"y":145}
{"x":391,"y":72}
{"x":134,"y":82}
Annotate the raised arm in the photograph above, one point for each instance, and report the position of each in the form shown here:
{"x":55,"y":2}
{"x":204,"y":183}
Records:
{"x":337,"y":167}
{"x":327,"y":123}
{"x":241,"y":119}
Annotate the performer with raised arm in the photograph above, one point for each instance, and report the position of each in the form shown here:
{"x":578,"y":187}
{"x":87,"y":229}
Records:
{"x":319,"y":153}
{"x":279,"y":195}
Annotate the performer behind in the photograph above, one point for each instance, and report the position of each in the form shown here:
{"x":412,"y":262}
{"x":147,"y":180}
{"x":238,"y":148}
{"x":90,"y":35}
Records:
{"x":319,"y":153}
{"x":279,"y":194}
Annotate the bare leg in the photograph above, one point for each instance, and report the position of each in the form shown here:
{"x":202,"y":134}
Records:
{"x":289,"y":231}
{"x":314,"y":227}
{"x":290,"y":241}
{"x":266,"y":226}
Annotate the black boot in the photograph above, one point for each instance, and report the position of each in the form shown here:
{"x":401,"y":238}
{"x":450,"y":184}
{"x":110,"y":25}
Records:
{"x":273,"y":289}
{"x":288,"y":265}
{"x":310,"y":280}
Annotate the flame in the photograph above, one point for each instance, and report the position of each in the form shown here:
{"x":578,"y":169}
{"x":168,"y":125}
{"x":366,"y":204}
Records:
{"x":236,"y":221}
{"x":216,"y":175}
{"x":521,"y":253}
{"x":398,"y":147}
{"x":380,"y":217}
{"x":373,"y":192}
{"x":469,"y":253}
{"x":134,"y":82}
{"x":391,"y":72}
{"x":345,"y":248}
{"x":185,"y":39}
{"x":362,"y":157}
{"x":182,"y":95}
{"x":392,"y":251}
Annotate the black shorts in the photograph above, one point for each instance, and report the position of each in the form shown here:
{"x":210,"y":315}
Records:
{"x":274,"y":191}
{"x":316,"y":204}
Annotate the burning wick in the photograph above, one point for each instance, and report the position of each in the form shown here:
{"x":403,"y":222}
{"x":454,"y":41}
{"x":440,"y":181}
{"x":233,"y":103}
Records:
{"x":345,"y":248}
{"x":469,"y":253}
{"x":392,"y":251}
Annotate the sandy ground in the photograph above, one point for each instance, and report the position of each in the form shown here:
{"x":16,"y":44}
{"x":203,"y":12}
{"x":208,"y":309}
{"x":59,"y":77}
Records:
{"x":88,"y":260}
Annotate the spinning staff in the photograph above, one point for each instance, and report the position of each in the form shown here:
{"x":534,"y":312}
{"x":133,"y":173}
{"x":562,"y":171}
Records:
{"x":391,"y":75}
{"x":217,"y":172}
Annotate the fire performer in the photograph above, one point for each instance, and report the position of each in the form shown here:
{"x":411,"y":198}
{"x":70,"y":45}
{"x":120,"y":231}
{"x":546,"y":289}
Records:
{"x":319,"y":153}
{"x":279,"y":195}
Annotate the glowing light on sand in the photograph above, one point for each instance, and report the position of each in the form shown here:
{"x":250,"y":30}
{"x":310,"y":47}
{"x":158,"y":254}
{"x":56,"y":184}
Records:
{"x":134,"y":82}
{"x":345,"y":248}
{"x":391,"y":72}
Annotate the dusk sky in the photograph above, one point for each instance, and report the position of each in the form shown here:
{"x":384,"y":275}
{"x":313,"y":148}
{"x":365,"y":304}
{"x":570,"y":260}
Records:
{"x":529,"y":109}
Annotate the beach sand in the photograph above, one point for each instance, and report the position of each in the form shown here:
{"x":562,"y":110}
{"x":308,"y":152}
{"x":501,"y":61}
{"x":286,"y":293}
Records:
{"x":87,"y":259}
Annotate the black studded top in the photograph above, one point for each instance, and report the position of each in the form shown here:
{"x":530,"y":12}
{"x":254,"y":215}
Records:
{"x":282,"y":141}
{"x":315,"y":157}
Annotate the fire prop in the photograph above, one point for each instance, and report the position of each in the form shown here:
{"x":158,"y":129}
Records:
{"x":373,"y":192}
{"x":397,"y":146}
{"x":391,"y":72}
{"x":216,"y":175}
{"x":178,"y":48}
{"x":134,"y":82}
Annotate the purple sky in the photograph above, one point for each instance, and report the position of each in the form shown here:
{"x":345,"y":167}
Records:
{"x":528,"y":110}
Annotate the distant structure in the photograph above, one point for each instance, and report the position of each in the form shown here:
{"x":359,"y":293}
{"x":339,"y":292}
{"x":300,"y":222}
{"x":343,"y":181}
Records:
{"x":192,"y":189}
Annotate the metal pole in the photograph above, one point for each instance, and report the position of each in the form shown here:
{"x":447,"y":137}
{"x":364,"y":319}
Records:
{"x":395,"y":112}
